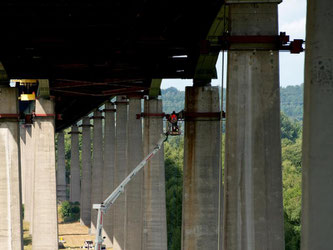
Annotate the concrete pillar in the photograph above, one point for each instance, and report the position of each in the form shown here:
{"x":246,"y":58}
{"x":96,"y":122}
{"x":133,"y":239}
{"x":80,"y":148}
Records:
{"x":202,"y":151}
{"x":154,"y":208}
{"x":317,"y":199}
{"x":23,"y":152}
{"x":61,"y":171}
{"x":253,"y":210}
{"x":45,"y":224}
{"x":108,"y":170}
{"x":75,"y":166}
{"x":97,"y":168}
{"x":134,"y":191}
{"x":10,"y":193}
{"x":29,"y":161}
{"x":120,"y":173}
{"x":85,"y":203}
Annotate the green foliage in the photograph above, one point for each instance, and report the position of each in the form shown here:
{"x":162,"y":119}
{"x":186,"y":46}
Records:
{"x":70,"y":211}
{"x":292,"y":180}
{"x":292,"y":151}
{"x":289,"y":128}
{"x":174,"y":188}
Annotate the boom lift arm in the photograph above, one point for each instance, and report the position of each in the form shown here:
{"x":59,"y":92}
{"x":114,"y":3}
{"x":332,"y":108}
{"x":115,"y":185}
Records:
{"x":104,"y":206}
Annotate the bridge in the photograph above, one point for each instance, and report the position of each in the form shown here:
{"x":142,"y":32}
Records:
{"x":62,"y":60}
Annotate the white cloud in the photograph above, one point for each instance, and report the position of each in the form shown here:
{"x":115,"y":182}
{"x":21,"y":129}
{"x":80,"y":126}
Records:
{"x":296,"y":29}
{"x":291,"y":10}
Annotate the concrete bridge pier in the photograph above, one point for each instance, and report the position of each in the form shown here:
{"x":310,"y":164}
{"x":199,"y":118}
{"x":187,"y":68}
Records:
{"x":61,"y":171}
{"x":134,"y":190}
{"x":119,"y":226}
{"x":10,"y":193}
{"x":253,"y":210}
{"x":29,"y":161}
{"x":45,"y":224}
{"x":23,"y":152}
{"x":75,"y":166}
{"x":202,"y":154}
{"x":85,"y":201}
{"x":317,"y":199}
{"x":154,"y":207}
{"x":108,"y":170}
{"x":97,"y":168}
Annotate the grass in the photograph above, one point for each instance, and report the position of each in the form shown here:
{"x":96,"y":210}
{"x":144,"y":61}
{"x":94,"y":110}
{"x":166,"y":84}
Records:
{"x":27,"y":239}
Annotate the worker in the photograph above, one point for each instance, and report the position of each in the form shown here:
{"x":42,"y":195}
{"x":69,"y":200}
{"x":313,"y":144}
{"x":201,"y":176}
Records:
{"x":174,"y":121}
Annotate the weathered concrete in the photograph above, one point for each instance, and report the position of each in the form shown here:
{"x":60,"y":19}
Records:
{"x":85,"y":203}
{"x":29,"y":161}
{"x":75,"y":166}
{"x":97,"y":168}
{"x":120,"y":173}
{"x":253,"y":211}
{"x":23,"y":153}
{"x":45,"y":224}
{"x":154,"y":208}
{"x":202,"y":154}
{"x":10,"y":193}
{"x":61,"y":171}
{"x":108,"y":170}
{"x":134,"y":217}
{"x":317,"y":200}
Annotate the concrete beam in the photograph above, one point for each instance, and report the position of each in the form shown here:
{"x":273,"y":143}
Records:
{"x":253,"y":209}
{"x":202,"y":154}
{"x":45,"y":223}
{"x":119,"y":231}
{"x":10,"y":189}
{"x":317,"y":199}
{"x":154,"y":208}
{"x":61,"y":171}
{"x":108,"y":170}
{"x":75,"y":188}
{"x":85,"y":202}
{"x":97,"y":168}
{"x":134,"y":213}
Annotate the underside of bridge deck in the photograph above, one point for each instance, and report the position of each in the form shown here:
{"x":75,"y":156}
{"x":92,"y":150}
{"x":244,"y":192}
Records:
{"x":97,"y":49}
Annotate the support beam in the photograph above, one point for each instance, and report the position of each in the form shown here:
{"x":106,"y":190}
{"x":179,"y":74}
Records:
{"x":108,"y":170}
{"x":85,"y":203}
{"x":120,"y":173}
{"x":134,"y":221}
{"x":61,"y":171}
{"x":154,"y":231}
{"x":97,"y":168}
{"x":202,"y":154}
{"x":317,"y":200}
{"x":253,"y":210}
{"x":10,"y":193}
{"x":75,"y":166}
{"x":45,"y":224}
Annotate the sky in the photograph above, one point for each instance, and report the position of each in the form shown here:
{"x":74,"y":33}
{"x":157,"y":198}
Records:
{"x":292,"y":16}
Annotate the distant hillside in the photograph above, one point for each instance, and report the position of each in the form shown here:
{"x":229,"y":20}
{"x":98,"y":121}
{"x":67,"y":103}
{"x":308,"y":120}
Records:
{"x":291,"y":101}
{"x":173,"y":100}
